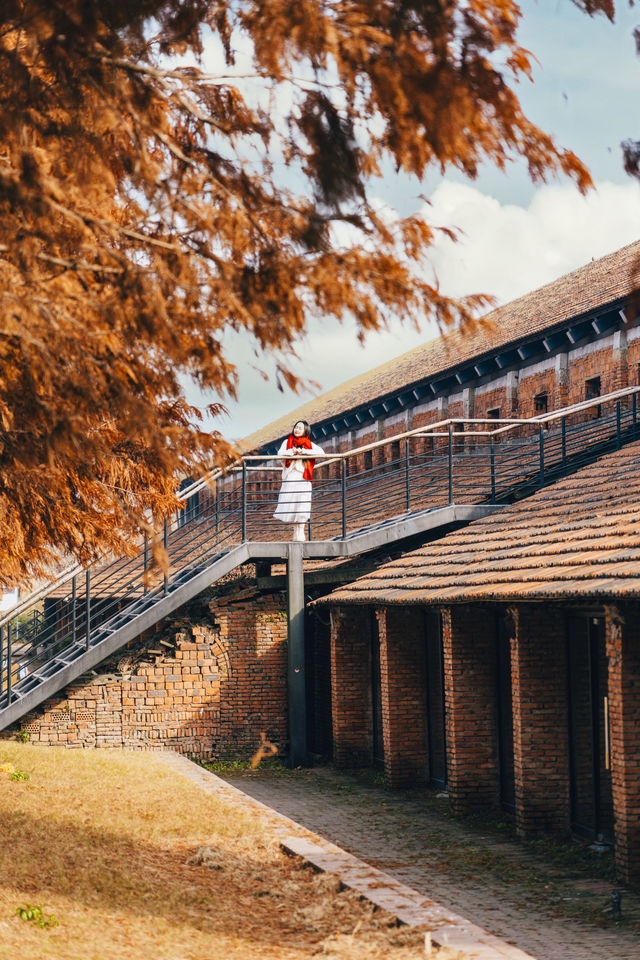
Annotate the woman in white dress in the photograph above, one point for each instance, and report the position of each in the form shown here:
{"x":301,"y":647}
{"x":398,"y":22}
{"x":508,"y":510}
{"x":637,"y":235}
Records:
{"x":294,"y":500}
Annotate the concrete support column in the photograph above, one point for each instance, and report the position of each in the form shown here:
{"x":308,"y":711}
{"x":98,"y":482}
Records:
{"x":540,"y":719}
{"x":469,"y":680}
{"x":623,"y":651}
{"x":351,"y":686}
{"x":296,"y":658}
{"x":401,"y":631}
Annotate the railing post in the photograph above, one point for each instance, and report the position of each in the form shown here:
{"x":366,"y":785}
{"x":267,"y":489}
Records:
{"x":635,"y":419}
{"x":74,"y":605}
{"x":407,"y":479}
{"x":1,"y":662}
{"x":145,"y":563}
{"x":541,"y":445}
{"x":87,"y":597}
{"x":244,"y":501}
{"x":217,"y":507}
{"x":493,"y":469}
{"x":618,"y":433}
{"x":450,"y":463}
{"x":564,"y":442}
{"x":343,"y":465}
{"x":165,"y":540}
{"x":9,"y":664}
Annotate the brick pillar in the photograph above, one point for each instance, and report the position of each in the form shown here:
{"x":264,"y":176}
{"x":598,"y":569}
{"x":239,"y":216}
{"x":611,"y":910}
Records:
{"x":623,"y":650}
{"x":470,"y":696}
{"x":540,"y":719}
{"x":351,"y":686}
{"x":619,"y":361}
{"x":561,"y":387}
{"x":401,"y":631}
{"x":512,"y":394}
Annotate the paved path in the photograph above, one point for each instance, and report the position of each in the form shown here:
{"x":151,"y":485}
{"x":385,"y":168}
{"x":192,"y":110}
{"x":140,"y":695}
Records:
{"x":528,"y":898}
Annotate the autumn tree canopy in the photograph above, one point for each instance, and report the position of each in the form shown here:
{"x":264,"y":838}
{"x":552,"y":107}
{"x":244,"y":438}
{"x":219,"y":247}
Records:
{"x":147,"y":204}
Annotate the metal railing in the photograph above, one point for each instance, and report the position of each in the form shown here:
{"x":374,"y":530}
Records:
{"x":462,"y":461}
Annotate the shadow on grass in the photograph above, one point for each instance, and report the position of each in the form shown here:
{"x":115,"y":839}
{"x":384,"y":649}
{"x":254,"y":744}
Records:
{"x":252,"y":891}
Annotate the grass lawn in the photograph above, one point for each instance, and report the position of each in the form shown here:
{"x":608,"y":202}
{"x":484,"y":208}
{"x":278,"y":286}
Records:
{"x":102,"y":841}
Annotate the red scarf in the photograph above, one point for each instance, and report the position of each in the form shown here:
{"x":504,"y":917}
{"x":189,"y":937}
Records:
{"x":301,"y":442}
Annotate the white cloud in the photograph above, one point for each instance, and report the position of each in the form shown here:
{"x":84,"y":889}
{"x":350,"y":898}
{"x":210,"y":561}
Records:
{"x":505,"y":250}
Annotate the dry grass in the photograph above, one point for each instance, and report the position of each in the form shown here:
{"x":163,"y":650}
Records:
{"x":108,"y":843}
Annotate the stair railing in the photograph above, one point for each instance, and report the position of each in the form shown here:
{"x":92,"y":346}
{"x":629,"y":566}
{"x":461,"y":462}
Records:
{"x":456,"y":460}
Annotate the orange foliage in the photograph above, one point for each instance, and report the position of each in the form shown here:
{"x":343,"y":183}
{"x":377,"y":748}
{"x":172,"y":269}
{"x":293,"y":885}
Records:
{"x":146,"y":206}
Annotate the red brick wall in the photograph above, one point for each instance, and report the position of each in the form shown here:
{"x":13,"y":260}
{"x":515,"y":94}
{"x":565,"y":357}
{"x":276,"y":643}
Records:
{"x":623,"y":650}
{"x":540,"y":719}
{"x":202,"y":688}
{"x":401,"y":631}
{"x":351,"y":686}
{"x":530,"y":386}
{"x":468,"y":643}
{"x":599,"y":363}
{"x":492,"y":399}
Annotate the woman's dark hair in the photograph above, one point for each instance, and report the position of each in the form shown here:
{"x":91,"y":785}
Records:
{"x":307,"y":428}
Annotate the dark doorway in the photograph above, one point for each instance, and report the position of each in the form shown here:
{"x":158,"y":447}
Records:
{"x":504,"y":710}
{"x":434,"y":700}
{"x":590,"y":770}
{"x":318,"y":681}
{"x":376,"y":695}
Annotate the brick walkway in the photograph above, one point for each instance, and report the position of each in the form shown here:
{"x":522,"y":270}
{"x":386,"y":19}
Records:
{"x":548,"y":901}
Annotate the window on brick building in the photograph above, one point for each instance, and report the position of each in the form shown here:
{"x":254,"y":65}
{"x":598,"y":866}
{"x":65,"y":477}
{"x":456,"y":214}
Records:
{"x":494,"y":414}
{"x":395,"y":454}
{"x":541,"y":406}
{"x":368,"y":459}
{"x":592,"y":389}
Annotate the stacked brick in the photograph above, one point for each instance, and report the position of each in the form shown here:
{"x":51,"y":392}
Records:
{"x":200,"y":688}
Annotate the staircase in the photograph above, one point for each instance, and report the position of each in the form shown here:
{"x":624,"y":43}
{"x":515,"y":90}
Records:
{"x":388,"y":492}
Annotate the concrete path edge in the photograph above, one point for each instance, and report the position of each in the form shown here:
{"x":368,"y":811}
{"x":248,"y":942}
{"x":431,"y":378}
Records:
{"x":442,"y":927}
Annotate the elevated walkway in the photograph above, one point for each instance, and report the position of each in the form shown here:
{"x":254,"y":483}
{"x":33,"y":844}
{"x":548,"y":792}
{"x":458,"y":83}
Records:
{"x":398,"y":490}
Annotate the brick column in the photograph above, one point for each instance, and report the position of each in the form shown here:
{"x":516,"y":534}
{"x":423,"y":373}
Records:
{"x":561,"y":385}
{"x":540,"y":719}
{"x":351,"y":686}
{"x":623,"y":650}
{"x":401,"y":631}
{"x":619,"y":361}
{"x":469,"y":681}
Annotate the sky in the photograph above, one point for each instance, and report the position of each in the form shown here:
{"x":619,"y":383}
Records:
{"x":514,"y":236}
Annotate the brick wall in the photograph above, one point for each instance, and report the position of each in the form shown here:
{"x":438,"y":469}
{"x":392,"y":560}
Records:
{"x":206,"y":682}
{"x":401,"y":631}
{"x":540,"y":718}
{"x":531,"y":386}
{"x":468,"y":648}
{"x":351,"y":686}
{"x":623,"y":650}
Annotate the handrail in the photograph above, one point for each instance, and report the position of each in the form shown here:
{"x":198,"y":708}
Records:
{"x":439,"y":429}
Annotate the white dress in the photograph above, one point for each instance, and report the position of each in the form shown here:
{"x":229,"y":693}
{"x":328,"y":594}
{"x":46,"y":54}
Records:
{"x":294,"y":500}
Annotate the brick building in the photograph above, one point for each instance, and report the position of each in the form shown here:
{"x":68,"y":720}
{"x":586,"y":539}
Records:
{"x":503,"y":660}
{"x":469,"y":662}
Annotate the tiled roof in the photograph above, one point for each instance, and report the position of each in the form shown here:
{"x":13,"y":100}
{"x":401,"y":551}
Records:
{"x":601,"y":282}
{"x":579,"y":537}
